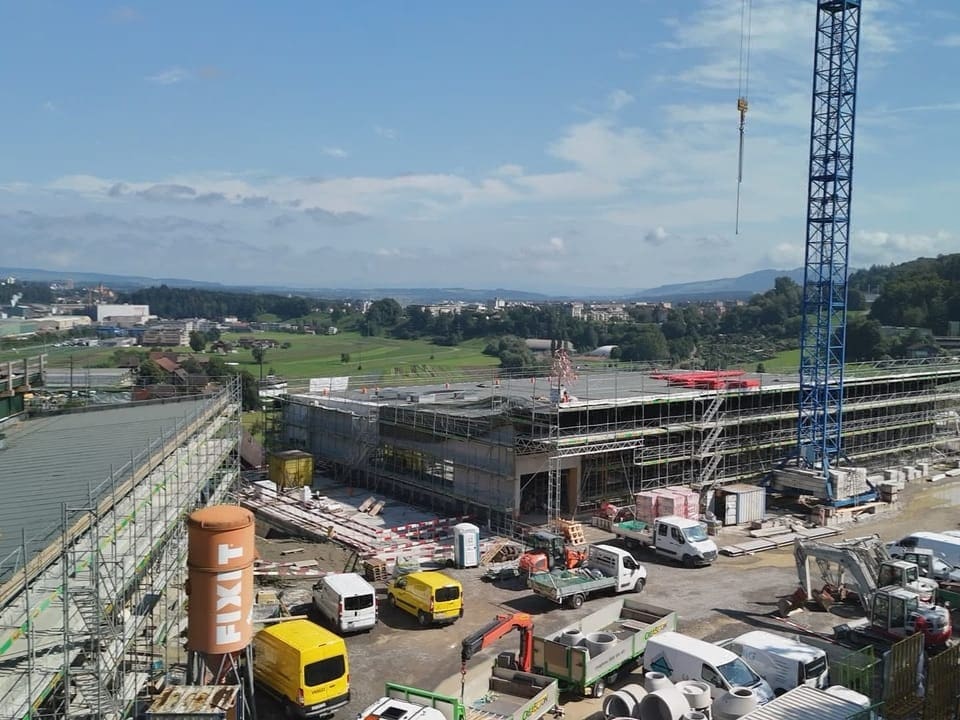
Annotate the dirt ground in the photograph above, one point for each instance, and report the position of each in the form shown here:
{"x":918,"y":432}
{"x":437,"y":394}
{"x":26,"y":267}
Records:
{"x":733,"y":595}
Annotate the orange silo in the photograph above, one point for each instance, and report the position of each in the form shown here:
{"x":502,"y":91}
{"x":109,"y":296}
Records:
{"x":220,"y":553}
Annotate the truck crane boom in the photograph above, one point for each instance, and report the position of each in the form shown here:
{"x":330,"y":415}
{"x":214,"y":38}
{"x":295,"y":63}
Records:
{"x":502,"y":625}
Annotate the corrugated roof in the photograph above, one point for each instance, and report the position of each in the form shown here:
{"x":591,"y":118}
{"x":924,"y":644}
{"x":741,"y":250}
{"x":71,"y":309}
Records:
{"x":807,"y":703}
{"x":52,"y":460}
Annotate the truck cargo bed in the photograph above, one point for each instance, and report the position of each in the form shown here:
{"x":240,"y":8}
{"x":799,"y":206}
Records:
{"x":514,"y":695}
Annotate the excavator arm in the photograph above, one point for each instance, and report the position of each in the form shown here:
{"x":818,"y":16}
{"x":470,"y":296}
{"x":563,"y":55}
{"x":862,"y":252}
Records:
{"x":848,"y":564}
{"x":502,"y":625}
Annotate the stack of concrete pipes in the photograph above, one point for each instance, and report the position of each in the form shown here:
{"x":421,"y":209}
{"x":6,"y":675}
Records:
{"x":658,"y":698}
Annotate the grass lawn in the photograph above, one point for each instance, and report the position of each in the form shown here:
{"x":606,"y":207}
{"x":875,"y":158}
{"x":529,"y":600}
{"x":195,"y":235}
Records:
{"x":320,"y":356}
{"x":786,"y":361}
{"x":317,"y":356}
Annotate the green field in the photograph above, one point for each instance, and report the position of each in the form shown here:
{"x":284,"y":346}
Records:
{"x":786,"y":361}
{"x":320,"y":356}
{"x":314,"y":356}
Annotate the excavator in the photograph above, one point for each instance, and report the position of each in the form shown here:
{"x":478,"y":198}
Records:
{"x":502,"y":625}
{"x":897,"y":602}
{"x":548,"y":551}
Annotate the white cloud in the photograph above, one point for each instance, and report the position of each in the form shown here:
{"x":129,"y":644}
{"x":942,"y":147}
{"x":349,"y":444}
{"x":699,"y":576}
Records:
{"x":334,"y":152}
{"x":656,"y":236}
{"x":952,"y":40}
{"x":385,"y":132}
{"x":557,"y":246}
{"x":878,"y":247}
{"x":50,"y":106}
{"x":619,"y":99}
{"x":170,"y":76}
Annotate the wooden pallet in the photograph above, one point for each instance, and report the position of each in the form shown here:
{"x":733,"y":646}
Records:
{"x":490,"y":554}
{"x":375,"y":570}
{"x":573,"y":532}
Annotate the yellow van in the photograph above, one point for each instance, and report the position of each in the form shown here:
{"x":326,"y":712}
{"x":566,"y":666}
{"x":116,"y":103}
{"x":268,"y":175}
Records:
{"x":431,"y":596}
{"x":304,"y":666}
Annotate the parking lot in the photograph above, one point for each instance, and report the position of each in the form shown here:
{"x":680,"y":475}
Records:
{"x":731,"y":596}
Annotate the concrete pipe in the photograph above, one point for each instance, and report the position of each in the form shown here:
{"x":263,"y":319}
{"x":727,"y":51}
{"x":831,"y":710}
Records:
{"x":694,"y":715}
{"x":624,"y":702}
{"x":637,"y":693}
{"x":570,"y":637}
{"x":600,"y":642}
{"x":653,"y":681}
{"x":696,"y":692}
{"x":735,"y":703}
{"x":664,"y":704}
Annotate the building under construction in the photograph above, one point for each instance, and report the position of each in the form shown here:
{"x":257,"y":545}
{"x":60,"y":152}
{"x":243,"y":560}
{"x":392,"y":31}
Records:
{"x":93,"y":550}
{"x":501,"y":448}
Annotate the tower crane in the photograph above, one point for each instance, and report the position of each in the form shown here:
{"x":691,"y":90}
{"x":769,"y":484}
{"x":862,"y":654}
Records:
{"x":830,"y":185}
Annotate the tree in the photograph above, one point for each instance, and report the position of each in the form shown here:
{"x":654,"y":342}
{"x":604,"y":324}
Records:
{"x":151,"y":373}
{"x":259,"y":354}
{"x":197,"y":341}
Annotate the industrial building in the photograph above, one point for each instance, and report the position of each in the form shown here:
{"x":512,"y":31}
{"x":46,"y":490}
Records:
{"x":489,"y":446}
{"x":93,"y":552}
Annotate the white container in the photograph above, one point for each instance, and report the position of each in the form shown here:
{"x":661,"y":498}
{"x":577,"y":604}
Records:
{"x":466,"y":545}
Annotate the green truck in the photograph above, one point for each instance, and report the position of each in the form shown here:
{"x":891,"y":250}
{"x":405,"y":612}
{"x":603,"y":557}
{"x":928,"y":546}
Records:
{"x":626,"y":622}
{"x":510,"y":695}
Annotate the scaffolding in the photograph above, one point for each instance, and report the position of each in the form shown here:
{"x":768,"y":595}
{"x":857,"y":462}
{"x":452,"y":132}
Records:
{"x":505,"y":446}
{"x":85,"y":623}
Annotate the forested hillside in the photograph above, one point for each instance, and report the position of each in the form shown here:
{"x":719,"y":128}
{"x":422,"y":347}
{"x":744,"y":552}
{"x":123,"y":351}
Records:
{"x":923,"y":293}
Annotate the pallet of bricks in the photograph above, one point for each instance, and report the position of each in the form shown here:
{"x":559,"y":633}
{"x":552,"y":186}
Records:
{"x":680,"y":501}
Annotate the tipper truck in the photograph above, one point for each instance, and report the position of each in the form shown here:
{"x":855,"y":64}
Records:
{"x":681,"y":539}
{"x":607,"y":569}
{"x":613,"y":640}
{"x":510,"y":695}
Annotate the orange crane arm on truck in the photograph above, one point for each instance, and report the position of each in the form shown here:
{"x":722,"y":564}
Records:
{"x":504,"y":624}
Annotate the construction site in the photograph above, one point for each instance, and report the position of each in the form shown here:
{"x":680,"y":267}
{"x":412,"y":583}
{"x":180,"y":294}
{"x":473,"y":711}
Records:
{"x":508,"y":450}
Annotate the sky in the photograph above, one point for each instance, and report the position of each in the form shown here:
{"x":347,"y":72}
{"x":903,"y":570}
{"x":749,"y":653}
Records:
{"x":535,"y":145}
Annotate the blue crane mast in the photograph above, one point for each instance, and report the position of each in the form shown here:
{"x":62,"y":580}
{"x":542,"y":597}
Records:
{"x":824,"y":308}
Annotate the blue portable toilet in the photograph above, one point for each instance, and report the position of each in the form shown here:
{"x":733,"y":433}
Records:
{"x":466,"y":545}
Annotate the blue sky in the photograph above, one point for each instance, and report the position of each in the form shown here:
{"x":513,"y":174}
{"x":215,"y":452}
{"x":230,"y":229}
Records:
{"x":533,"y":145}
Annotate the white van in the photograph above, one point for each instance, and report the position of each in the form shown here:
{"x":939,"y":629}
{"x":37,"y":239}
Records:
{"x":783,"y":662}
{"x":347,"y":601}
{"x":946,"y":547}
{"x":681,"y":657}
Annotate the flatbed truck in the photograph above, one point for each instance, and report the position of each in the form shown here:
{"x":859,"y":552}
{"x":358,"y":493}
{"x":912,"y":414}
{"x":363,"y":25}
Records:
{"x":628,"y":620}
{"x":680,"y":539}
{"x":510,"y":695}
{"x":607,"y":569}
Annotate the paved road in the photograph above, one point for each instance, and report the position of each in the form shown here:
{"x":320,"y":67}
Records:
{"x":733,"y":595}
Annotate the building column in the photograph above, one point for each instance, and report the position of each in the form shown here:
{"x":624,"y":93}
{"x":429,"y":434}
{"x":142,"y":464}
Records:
{"x":573,"y":487}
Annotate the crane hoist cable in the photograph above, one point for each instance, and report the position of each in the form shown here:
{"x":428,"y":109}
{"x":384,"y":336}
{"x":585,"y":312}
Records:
{"x":743,"y":90}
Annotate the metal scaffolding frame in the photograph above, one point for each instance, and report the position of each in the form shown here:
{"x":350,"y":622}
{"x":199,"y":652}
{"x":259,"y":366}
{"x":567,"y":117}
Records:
{"x":87,"y":621}
{"x":629,"y":432}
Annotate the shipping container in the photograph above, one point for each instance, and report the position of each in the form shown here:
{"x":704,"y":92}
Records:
{"x":291,"y":469}
{"x":741,"y":503}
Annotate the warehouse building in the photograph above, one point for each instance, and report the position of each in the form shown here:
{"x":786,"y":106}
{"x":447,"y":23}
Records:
{"x":489,"y":446}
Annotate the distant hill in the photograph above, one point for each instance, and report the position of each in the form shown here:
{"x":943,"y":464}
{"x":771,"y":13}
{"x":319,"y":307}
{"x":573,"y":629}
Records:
{"x":735,"y":288}
{"x":427,"y":296}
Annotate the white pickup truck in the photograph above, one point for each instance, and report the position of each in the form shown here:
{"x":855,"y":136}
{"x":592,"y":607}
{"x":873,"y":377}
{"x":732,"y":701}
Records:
{"x":671,"y":536}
